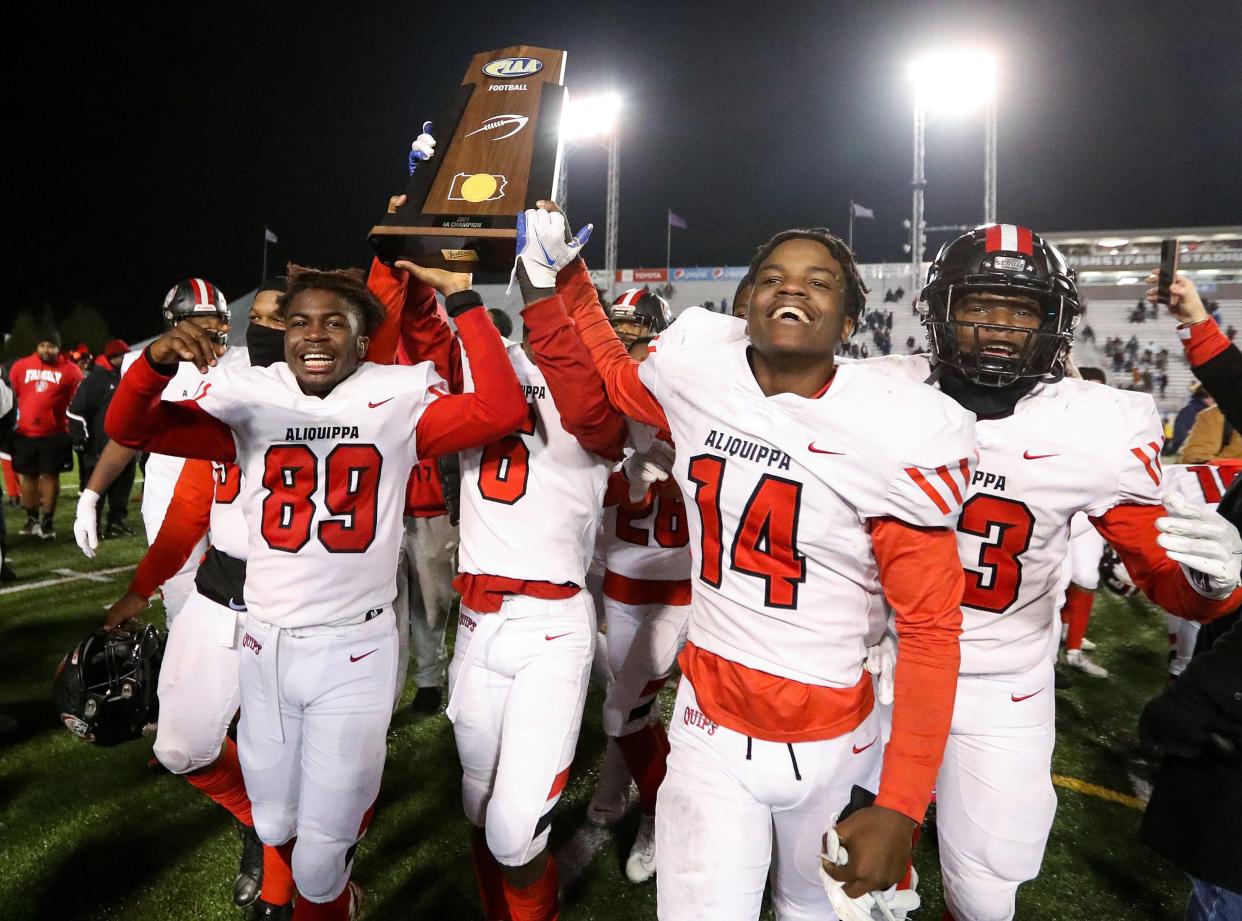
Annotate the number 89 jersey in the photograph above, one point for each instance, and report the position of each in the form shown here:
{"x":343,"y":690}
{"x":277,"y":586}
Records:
{"x":1070,"y":446}
{"x":323,"y":485}
{"x":779,"y":491}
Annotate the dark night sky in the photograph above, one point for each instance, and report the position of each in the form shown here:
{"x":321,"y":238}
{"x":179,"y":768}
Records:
{"x":158,"y":146}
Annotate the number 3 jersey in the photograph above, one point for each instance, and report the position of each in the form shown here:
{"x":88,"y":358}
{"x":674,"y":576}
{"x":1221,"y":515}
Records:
{"x":780,"y":491}
{"x":323,"y":485}
{"x":531,"y":501}
{"x":1070,"y":446}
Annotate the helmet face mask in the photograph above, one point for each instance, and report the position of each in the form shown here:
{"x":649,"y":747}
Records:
{"x":1006,"y":261}
{"x":196,"y":298}
{"x":105,"y":688}
{"x":639,"y":314}
{"x":1039,"y":351}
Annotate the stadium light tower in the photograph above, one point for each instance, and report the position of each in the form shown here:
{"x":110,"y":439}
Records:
{"x":951,"y":81}
{"x":593,"y":119}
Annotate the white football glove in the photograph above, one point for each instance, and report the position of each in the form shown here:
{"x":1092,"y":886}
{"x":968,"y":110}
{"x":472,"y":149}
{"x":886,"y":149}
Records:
{"x":1207,"y":546}
{"x":644,"y":470}
{"x":86,"y":523}
{"x":874,"y":906}
{"x":544,"y":245}
{"x":881,"y":663}
{"x":423,"y":148}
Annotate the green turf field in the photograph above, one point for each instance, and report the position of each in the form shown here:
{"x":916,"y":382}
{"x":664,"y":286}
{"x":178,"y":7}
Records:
{"x":88,"y":833}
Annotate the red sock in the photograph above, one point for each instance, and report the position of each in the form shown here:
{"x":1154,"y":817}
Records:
{"x":539,"y":901}
{"x":1078,"y":608}
{"x":278,"y":885}
{"x":221,"y":781}
{"x":11,"y":486}
{"x":336,"y":910}
{"x":490,"y":877}
{"x":646,"y":755}
{"x":909,"y":874}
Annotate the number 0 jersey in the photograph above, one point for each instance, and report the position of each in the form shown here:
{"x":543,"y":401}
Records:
{"x":322,"y":485}
{"x":779,"y":491}
{"x":531,"y":501}
{"x":1070,"y":446}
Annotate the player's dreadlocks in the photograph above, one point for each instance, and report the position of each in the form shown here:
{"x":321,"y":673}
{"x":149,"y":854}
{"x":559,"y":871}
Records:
{"x":855,"y":290}
{"x":347,"y":284}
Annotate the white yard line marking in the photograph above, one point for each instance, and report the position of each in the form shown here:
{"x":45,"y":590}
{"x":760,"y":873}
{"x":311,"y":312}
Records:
{"x":577,"y":852}
{"x":89,"y":576}
{"x":69,"y":576}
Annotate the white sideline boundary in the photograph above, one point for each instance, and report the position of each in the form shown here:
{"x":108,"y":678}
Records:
{"x":69,"y":575}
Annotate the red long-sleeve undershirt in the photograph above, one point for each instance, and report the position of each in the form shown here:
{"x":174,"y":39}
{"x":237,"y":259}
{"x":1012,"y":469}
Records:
{"x":1131,"y":529}
{"x":138,"y":418}
{"x":401,"y":295}
{"x":185,"y":522}
{"x":1203,"y":341}
{"x":573,"y":382}
{"x":564,"y":361}
{"x":616,"y":368}
{"x":923,"y":581}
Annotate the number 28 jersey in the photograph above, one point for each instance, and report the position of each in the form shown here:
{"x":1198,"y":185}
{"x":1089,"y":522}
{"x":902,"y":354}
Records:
{"x":779,"y":491}
{"x":1070,"y":446}
{"x":323,"y":485}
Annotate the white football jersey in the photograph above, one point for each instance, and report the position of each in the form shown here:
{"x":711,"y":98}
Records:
{"x":651,"y":541}
{"x":779,"y":491}
{"x":322,"y":485}
{"x":531,"y":501}
{"x":1202,"y":484}
{"x":161,"y":471}
{"x":227,"y":531}
{"x":1070,"y":446}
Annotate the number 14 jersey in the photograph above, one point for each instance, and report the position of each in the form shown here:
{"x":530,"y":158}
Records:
{"x":780,"y":491}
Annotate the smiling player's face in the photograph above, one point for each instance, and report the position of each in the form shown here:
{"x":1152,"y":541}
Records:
{"x":1016,"y":314}
{"x":797,"y":305}
{"x":322,"y":341}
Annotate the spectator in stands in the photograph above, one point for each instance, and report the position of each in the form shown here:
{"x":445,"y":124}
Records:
{"x":502,"y":321}
{"x":86,"y":428}
{"x":1231,"y":332}
{"x":43,"y":384}
{"x":1163,"y":382}
{"x":910,"y":345}
{"x":1088,"y":333}
{"x":1199,"y":400}
{"x":1212,"y":438}
{"x":1215,"y":361}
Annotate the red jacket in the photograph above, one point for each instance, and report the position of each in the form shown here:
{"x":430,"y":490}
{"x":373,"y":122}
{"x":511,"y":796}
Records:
{"x":43,"y":392}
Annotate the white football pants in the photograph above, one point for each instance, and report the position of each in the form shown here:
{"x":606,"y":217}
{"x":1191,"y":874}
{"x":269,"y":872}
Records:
{"x":517,"y":686}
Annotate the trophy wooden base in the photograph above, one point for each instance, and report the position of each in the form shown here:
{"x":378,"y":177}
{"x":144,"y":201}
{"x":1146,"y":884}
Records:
{"x":480,"y":250}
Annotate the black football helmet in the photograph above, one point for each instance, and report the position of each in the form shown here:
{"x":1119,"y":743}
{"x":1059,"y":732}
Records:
{"x":640,"y":306}
{"x":195,"y":298}
{"x":1012,"y":261}
{"x":104,"y":689}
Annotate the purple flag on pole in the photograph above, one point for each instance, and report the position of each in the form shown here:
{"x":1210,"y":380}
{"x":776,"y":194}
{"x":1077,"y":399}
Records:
{"x":675,"y":221}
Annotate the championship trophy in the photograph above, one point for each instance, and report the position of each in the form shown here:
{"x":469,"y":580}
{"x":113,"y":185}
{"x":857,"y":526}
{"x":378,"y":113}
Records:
{"x":502,"y":155}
